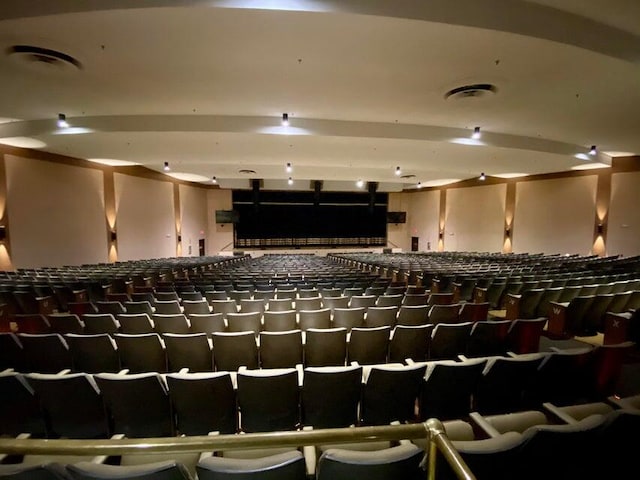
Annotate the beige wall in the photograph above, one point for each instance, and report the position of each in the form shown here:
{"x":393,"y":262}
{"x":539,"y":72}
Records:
{"x":398,"y":235}
{"x":145,"y":219}
{"x":623,"y":232}
{"x":422,"y":218}
{"x":56,"y":213}
{"x":475,"y":218}
{"x":555,"y":216}
{"x":193,"y":214}
{"x":220,"y":236}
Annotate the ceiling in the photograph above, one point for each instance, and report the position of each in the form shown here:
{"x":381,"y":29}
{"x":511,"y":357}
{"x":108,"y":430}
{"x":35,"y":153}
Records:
{"x":203,"y":85}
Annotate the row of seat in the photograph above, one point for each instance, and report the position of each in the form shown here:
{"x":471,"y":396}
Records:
{"x":226,"y":317}
{"x":284,"y":399}
{"x":151,"y":351}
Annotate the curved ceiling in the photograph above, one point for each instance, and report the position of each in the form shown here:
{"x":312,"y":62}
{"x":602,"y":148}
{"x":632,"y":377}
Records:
{"x":203,"y":85}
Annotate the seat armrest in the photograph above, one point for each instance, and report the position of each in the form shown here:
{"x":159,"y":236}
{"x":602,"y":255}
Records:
{"x":558,"y":413}
{"x":489,"y":430}
{"x":310,"y":454}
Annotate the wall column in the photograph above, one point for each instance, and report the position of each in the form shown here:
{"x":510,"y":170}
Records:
{"x":442,"y":219}
{"x":603,"y":200}
{"x":509,"y":215}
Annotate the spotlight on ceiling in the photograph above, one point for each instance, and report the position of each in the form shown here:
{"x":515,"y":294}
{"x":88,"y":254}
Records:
{"x":214,"y":180}
{"x":476,"y":133}
{"x":166,"y":167}
{"x":593,"y":150}
{"x":62,"y":121}
{"x":289,"y":168}
{"x":482,"y":177}
{"x":419,"y":185}
{"x":360,"y":183}
{"x":290,"y":181}
{"x":398,"y":171}
{"x":285,"y":119}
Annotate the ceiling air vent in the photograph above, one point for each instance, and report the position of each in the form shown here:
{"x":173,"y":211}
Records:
{"x":246,"y":171}
{"x":38,"y":56}
{"x":408,"y":176}
{"x":477,"y":90}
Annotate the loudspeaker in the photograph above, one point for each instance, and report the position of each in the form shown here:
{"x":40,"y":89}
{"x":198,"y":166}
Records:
{"x":373,"y":187}
{"x":255,"y":186}
{"x":317,"y":188}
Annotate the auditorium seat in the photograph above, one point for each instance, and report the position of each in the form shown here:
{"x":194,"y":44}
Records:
{"x":207,"y":323}
{"x":448,"y":388}
{"x":203,"y":402}
{"x":368,"y":346}
{"x":195,"y":306}
{"x":390,"y":393}
{"x":331,"y":396}
{"x":268,"y":399}
{"x":143,"y":306}
{"x":280,"y":349}
{"x":244,"y":322}
{"x":320,"y":318}
{"x":381,"y":316}
{"x":348,"y":317}
{"x":282,"y":466}
{"x":65,"y":323}
{"x":44,"y":471}
{"x":162,"y":470}
{"x":410,"y":342}
{"x":401,"y":461}
{"x":20,"y":411}
{"x":170,"y":323}
{"x":279,"y":320}
{"x":448,"y":340}
{"x":138,"y":404}
{"x":191,"y":351}
{"x":95,"y":323}
{"x":141,"y":353}
{"x":45,"y":352}
{"x":72,"y":405}
{"x":231,"y":350}
{"x":487,"y":338}
{"x":135,"y":323}
{"x":93,"y":353}
{"x":325,"y":347}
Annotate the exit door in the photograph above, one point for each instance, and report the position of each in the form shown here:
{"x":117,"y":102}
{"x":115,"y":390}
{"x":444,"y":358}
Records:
{"x":201,"y":247}
{"x":415,"y":244}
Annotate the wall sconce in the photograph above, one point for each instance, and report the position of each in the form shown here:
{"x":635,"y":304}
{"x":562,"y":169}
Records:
{"x":179,"y":238}
{"x":3,"y":233}
{"x":441,"y":234}
{"x":600,"y":229}
{"x":507,"y":232}
{"x":114,"y":236}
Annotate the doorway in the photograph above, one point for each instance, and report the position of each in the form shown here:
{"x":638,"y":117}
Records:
{"x":415,"y":241}
{"x":201,"y":247}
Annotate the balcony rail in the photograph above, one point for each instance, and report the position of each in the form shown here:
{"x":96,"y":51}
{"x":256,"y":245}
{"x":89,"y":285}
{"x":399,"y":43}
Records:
{"x":432,"y":430}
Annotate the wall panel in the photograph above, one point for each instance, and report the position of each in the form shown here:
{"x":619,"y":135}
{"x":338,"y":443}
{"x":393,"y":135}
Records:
{"x":422,"y":218}
{"x":145,"y":219}
{"x":56,"y":213}
{"x":623,"y":231}
{"x":555,"y":216}
{"x":193,"y":214}
{"x":475,"y":219}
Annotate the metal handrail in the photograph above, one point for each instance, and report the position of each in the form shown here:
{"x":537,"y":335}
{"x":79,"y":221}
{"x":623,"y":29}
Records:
{"x":432,"y":430}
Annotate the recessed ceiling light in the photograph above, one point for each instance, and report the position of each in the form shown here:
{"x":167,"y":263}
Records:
{"x":285,"y":119}
{"x":590,"y":166}
{"x":288,"y":168}
{"x":290,"y":181}
{"x":22,"y":142}
{"x":360,"y":183}
{"x":476,"y":133}
{"x":510,"y":175}
{"x":166,"y":167}
{"x":398,"y":171}
{"x":482,"y":177}
{"x":214,"y":180}
{"x":112,"y":162}
{"x":593,"y":150}
{"x":62,"y":121}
